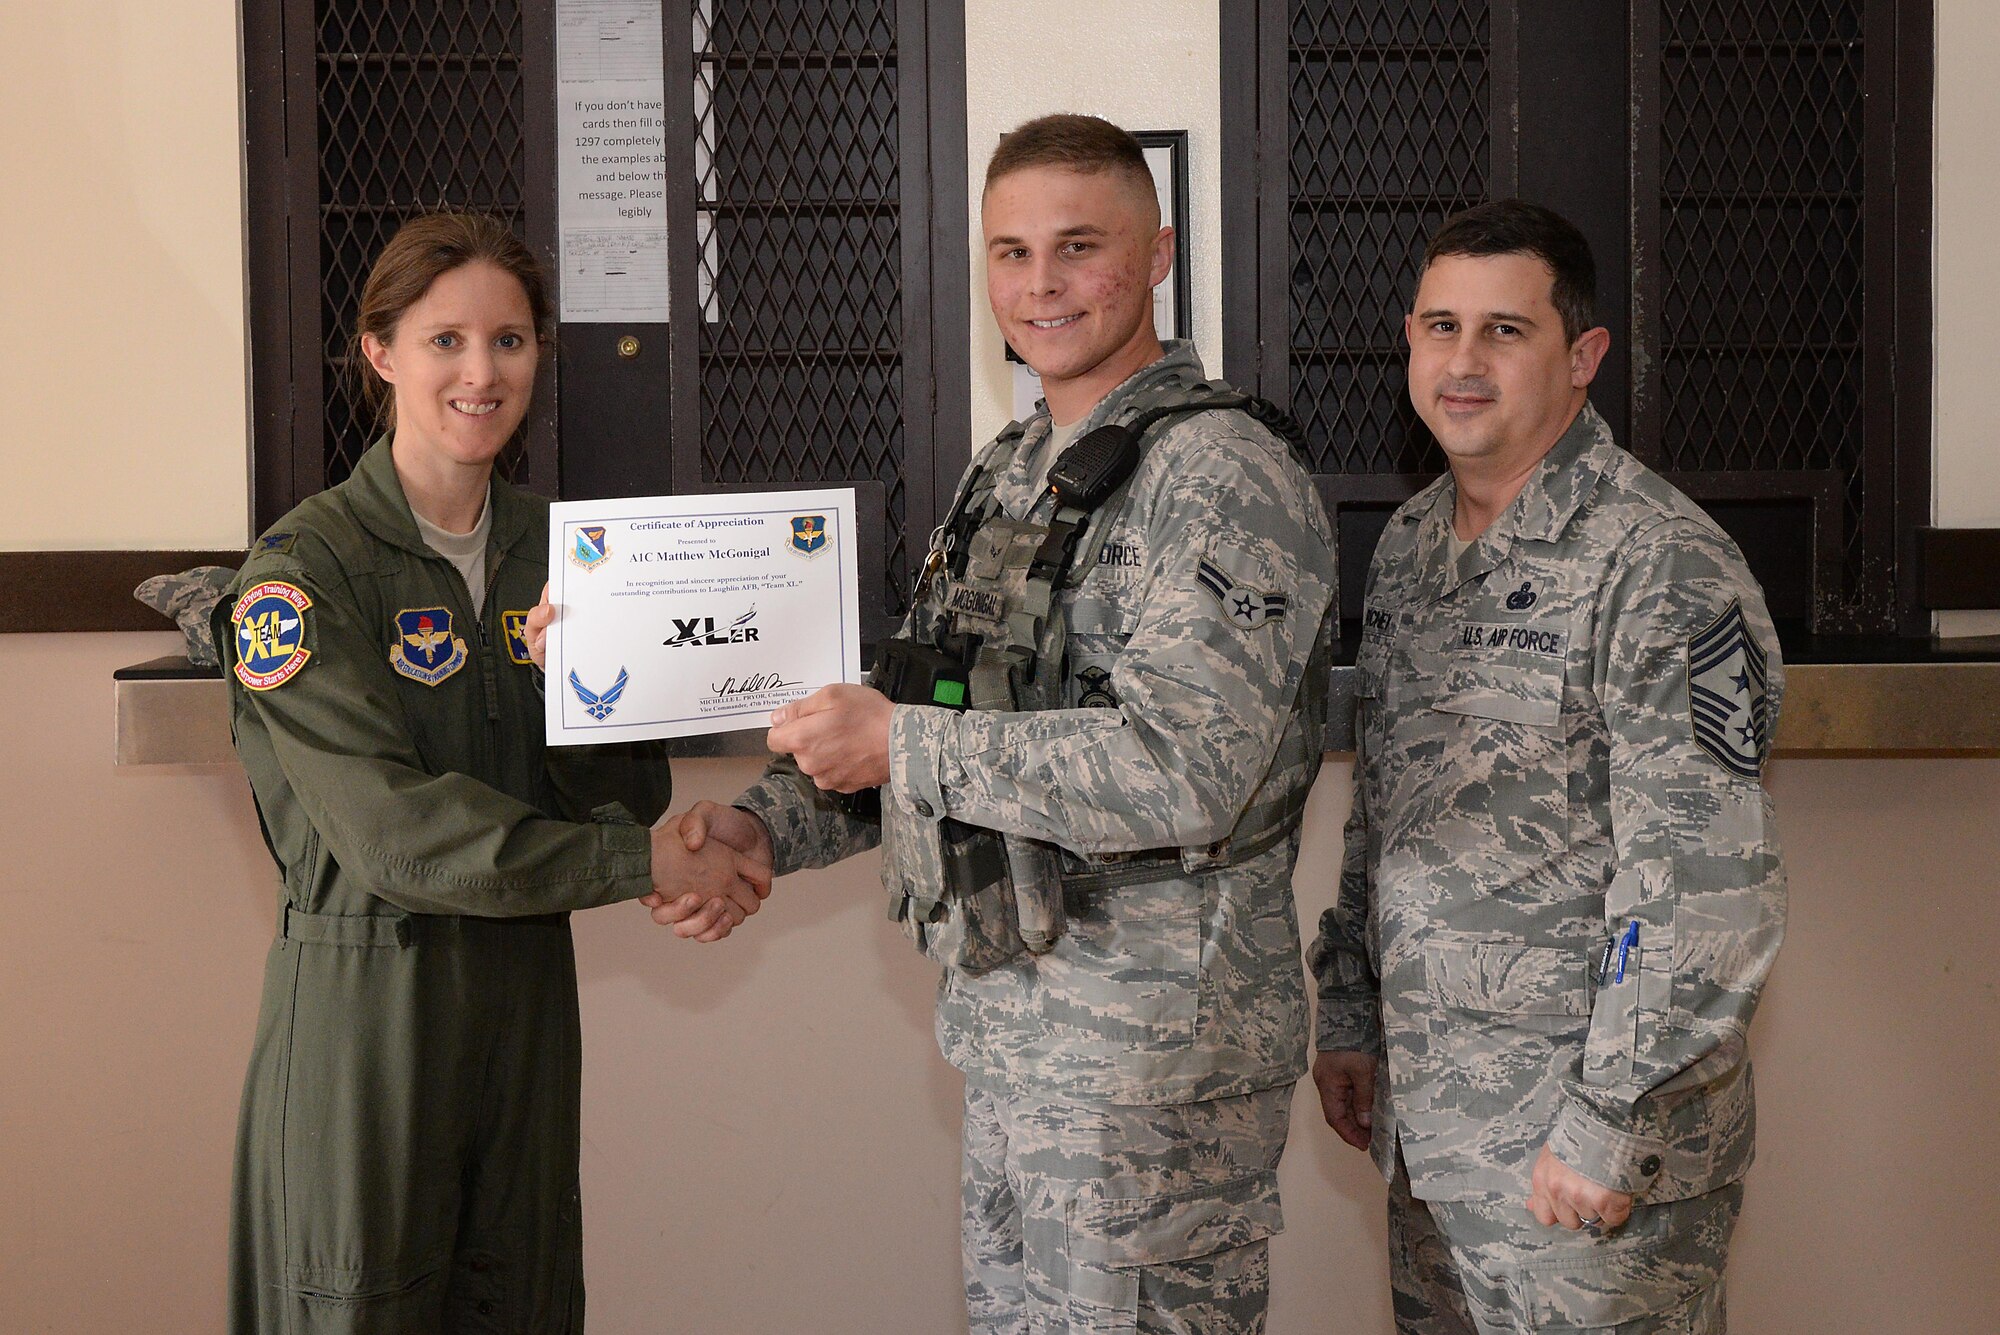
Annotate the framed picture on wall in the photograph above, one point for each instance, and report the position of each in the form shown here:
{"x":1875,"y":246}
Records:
{"x":1167,"y":155}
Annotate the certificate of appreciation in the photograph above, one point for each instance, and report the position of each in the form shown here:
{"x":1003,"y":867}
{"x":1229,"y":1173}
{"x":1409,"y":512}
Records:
{"x":695,"y":614}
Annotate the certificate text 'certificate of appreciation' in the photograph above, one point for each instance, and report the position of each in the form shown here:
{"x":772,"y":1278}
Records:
{"x":693,"y":614}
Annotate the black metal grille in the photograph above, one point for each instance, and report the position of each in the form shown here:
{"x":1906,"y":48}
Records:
{"x":1761,"y":208}
{"x":420,"y":107}
{"x":1388,"y":137}
{"x":799,"y":205}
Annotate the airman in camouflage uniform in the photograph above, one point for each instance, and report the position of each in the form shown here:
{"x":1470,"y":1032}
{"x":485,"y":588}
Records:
{"x":1129,"y":1070}
{"x":1561,"y":893}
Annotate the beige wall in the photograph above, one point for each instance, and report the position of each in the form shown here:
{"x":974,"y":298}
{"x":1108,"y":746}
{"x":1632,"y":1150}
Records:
{"x":779,"y":1097}
{"x":121,"y":277}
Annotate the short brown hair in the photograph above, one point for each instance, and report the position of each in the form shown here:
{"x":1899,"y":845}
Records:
{"x":424,"y":249}
{"x":1086,"y":144}
{"x":1516,"y":227}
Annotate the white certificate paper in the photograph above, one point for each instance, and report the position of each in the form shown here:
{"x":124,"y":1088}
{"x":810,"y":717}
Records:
{"x":696,"y":614}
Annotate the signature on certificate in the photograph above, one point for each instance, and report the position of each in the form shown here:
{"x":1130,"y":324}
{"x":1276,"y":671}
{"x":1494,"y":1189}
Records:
{"x":754,"y":684}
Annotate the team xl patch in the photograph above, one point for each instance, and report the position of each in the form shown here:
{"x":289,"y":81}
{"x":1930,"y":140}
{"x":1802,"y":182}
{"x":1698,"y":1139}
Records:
{"x":270,"y":623}
{"x":515,"y":624}
{"x":1244,"y":608}
{"x":425,"y":650}
{"x":1727,"y":676}
{"x":599,"y":704}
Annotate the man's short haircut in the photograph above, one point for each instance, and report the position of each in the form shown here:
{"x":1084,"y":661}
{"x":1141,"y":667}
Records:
{"x":1516,"y":227}
{"x":1075,"y":143}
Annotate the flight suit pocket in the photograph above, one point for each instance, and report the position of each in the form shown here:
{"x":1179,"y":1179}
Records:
{"x":1178,"y":1252}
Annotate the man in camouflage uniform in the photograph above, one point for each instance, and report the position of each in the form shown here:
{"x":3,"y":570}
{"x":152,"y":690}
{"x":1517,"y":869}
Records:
{"x":1125,"y":998}
{"x":1561,"y":892}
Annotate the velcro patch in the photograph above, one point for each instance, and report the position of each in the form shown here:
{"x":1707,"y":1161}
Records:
{"x":270,"y":623}
{"x":1500,"y":637}
{"x":515,"y":624}
{"x":425,"y":650}
{"x":1727,"y":677}
{"x":1243,"y":607}
{"x":278,"y":543}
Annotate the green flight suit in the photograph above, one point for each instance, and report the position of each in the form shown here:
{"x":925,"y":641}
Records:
{"x":407,"y":1155}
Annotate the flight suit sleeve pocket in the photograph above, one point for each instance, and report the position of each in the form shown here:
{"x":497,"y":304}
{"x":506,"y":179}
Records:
{"x":1501,"y":978}
{"x":1529,"y":694}
{"x":1617,"y":1289}
{"x":1111,"y":1243}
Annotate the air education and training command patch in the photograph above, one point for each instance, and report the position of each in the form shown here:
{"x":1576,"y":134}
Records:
{"x":1727,"y":677}
{"x":425,"y":649}
{"x":1246,"y":609}
{"x":270,"y":623}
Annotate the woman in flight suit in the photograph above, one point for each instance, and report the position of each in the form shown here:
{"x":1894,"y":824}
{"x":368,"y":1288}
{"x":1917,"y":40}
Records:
{"x":407,"y":1153}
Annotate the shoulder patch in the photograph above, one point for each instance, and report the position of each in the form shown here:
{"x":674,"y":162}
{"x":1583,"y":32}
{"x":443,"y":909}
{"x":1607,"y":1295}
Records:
{"x":270,"y":623}
{"x":425,"y":650}
{"x":274,"y":544}
{"x":1243,"y":607}
{"x":1727,"y":676}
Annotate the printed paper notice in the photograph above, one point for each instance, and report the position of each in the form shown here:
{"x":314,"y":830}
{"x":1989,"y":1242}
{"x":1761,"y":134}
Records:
{"x":697,"y":614}
{"x":611,"y":160}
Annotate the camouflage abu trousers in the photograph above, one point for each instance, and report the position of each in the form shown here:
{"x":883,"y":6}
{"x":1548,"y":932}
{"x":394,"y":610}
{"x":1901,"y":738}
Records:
{"x":1118,"y":1219}
{"x":1460,"y":1267}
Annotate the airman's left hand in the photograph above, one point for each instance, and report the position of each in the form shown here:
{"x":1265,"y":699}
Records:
{"x":839,"y":735}
{"x":1562,"y":1196}
{"x":537,"y":633}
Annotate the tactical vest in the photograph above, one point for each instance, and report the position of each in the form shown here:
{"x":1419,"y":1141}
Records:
{"x":972,"y":898}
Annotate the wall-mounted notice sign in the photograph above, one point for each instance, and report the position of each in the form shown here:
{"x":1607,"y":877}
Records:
{"x":611,"y":160}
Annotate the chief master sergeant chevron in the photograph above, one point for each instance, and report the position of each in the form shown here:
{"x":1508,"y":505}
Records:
{"x":1561,"y":893}
{"x":1100,"y":849}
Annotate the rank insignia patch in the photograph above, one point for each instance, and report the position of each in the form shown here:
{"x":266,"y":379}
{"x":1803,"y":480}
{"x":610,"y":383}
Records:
{"x":809,"y":534}
{"x":270,"y":625}
{"x":425,"y":649}
{"x":1246,"y":609}
{"x":1727,"y":675}
{"x":590,"y":550}
{"x":515,"y":624}
{"x":599,"y":706}
{"x":279,"y":543}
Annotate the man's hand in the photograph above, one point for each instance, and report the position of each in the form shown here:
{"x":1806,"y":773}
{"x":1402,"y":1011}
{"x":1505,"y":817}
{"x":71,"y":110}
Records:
{"x":704,"y":894}
{"x":1346,"y":1083}
{"x":730,"y":825}
{"x":537,"y":633}
{"x":839,"y":735}
{"x":1561,"y":1195}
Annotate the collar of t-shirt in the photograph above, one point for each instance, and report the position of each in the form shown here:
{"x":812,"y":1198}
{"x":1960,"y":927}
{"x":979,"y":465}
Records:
{"x":467,"y":551}
{"x":1024,"y":483}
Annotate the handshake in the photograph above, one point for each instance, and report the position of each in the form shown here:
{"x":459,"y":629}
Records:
{"x":711,"y":870}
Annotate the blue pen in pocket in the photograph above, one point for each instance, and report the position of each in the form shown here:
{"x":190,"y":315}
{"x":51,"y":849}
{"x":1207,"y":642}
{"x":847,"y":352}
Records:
{"x":1625,"y":948}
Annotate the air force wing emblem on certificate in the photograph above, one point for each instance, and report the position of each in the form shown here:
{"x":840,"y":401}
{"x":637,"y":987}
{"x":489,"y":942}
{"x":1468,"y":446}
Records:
{"x":425,"y":650}
{"x":1727,"y":675}
{"x":270,"y":623}
{"x":599,"y":704}
{"x":809,"y":534}
{"x":588,"y":547}
{"x":1244,"y":608}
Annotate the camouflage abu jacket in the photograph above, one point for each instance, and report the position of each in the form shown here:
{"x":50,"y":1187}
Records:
{"x":1561,"y":892}
{"x":1178,"y":714}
